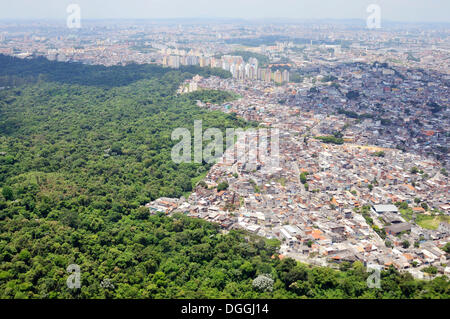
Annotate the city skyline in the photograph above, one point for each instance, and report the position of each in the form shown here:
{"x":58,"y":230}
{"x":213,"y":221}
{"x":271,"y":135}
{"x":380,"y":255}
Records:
{"x":400,"y":11}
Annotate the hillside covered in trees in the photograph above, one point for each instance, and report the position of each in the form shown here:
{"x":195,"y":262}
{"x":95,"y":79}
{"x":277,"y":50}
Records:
{"x":83,"y":147}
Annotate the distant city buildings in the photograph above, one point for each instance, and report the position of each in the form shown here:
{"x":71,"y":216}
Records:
{"x":383,"y":95}
{"x":189,"y":86}
{"x":236,"y":65}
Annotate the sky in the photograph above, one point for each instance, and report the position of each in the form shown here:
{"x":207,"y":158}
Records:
{"x":392,"y":10}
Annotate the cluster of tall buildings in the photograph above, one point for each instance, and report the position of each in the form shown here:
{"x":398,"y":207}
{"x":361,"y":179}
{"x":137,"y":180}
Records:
{"x":235,"y":64}
{"x":174,"y":61}
{"x":250,"y":70}
{"x":239,"y":68}
{"x":277,"y":76}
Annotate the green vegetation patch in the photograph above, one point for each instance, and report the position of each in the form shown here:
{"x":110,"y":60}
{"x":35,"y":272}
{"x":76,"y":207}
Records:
{"x":431,"y":222}
{"x":330,"y":139}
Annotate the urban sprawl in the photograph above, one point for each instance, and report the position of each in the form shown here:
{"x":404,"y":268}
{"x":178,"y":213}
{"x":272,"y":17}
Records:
{"x":363,"y":122}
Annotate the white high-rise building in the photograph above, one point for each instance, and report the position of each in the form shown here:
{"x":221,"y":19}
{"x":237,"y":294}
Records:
{"x":174,"y":61}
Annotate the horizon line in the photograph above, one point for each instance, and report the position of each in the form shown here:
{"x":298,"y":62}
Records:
{"x":272,"y":19}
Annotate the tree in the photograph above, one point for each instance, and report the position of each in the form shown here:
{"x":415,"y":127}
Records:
{"x":222,"y":186}
{"x":330,"y":139}
{"x":247,"y":269}
{"x":405,"y":244}
{"x":352,"y":95}
{"x":430,"y":270}
{"x":409,"y":288}
{"x":303,"y":178}
{"x":295,"y":274}
{"x":8,"y":193}
{"x":402,"y":205}
{"x":263,"y":283}
{"x":202,"y":184}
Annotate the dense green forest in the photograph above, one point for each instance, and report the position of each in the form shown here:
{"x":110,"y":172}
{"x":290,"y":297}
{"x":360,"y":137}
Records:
{"x":15,"y":72}
{"x":83,"y":147}
{"x":142,"y":256}
{"x":100,"y":142}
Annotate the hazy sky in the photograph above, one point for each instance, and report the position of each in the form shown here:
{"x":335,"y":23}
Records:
{"x":394,"y":10}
